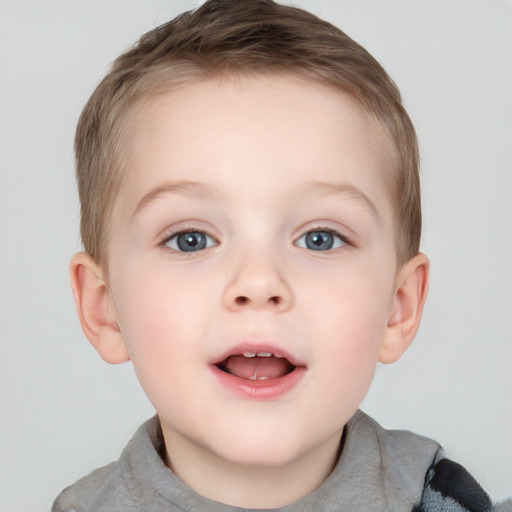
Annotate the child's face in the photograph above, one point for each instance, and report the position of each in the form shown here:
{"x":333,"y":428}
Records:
{"x":255,"y":217}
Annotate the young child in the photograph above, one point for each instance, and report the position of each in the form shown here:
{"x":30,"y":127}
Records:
{"x":250,"y":212}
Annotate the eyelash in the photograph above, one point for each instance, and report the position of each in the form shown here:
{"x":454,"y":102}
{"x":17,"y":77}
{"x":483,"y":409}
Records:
{"x":175,"y":234}
{"x":320,"y":229}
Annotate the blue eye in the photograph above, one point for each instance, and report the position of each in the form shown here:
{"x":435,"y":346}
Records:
{"x":321,"y":240}
{"x":190,"y":241}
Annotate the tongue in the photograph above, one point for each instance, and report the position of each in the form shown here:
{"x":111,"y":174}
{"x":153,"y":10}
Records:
{"x":257,"y":368}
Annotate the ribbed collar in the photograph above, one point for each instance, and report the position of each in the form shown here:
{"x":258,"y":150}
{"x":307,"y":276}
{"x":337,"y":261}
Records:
{"x":377,"y":470}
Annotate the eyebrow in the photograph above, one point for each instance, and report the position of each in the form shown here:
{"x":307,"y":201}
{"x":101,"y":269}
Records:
{"x":187,"y":187}
{"x":345,"y":189}
{"x":183,"y":187}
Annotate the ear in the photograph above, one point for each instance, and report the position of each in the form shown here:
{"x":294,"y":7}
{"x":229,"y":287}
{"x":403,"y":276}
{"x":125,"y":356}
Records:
{"x":96,"y":309}
{"x":407,"y":308}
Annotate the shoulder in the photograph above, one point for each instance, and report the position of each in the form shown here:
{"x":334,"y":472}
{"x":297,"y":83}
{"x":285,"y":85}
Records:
{"x":82,"y":494}
{"x":402,"y":441}
{"x":449,"y":487}
{"x":415,"y":472}
{"x":403,"y":457}
{"x":440,"y":484}
{"x":121,"y":485}
{"x":378,"y":469}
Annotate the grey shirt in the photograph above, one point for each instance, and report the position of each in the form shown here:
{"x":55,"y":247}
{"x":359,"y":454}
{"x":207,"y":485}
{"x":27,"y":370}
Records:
{"x":379,"y":470}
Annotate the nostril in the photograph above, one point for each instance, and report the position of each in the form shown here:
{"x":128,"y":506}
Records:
{"x":242,"y":300}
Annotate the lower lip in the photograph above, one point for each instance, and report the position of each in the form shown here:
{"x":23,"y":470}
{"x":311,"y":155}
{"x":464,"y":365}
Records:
{"x":260,"y":389}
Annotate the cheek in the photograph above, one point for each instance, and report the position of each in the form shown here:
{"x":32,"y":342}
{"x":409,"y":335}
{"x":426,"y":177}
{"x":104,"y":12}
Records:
{"x":157,"y":316}
{"x":352,"y":340}
{"x":162,"y":332}
{"x":351,"y":321}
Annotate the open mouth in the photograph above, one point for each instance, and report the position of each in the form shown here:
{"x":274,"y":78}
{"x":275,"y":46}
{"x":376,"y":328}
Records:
{"x":256,"y":366}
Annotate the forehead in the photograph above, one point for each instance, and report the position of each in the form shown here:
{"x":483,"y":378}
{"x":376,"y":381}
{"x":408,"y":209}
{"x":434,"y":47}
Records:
{"x":228,"y":131}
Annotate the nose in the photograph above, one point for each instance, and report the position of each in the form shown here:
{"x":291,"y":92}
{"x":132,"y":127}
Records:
{"x":256,"y":283}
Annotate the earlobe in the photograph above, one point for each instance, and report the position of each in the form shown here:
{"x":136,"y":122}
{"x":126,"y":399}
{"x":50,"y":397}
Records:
{"x":96,"y":309}
{"x":405,"y":316}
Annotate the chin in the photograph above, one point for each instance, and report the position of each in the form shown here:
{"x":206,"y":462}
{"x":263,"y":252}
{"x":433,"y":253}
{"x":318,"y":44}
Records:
{"x":262,"y":450}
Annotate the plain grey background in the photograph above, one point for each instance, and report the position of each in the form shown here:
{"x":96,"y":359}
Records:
{"x":64,"y":411}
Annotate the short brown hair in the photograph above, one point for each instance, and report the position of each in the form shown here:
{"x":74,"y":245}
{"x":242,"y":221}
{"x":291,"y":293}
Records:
{"x":225,"y":37}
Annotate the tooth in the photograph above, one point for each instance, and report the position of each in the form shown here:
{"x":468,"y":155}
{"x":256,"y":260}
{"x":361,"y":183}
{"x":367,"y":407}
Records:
{"x":264,"y":354}
{"x":249,"y":354}
{"x":253,"y":377}
{"x":262,"y":378}
{"x":279,"y":356}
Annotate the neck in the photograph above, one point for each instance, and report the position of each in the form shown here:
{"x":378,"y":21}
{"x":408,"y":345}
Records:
{"x":250,"y":486}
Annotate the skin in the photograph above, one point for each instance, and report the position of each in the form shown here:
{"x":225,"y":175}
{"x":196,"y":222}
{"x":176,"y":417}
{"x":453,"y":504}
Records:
{"x":255,"y":164}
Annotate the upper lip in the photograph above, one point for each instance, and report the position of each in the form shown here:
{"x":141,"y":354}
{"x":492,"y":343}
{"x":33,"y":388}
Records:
{"x":258,"y":348}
